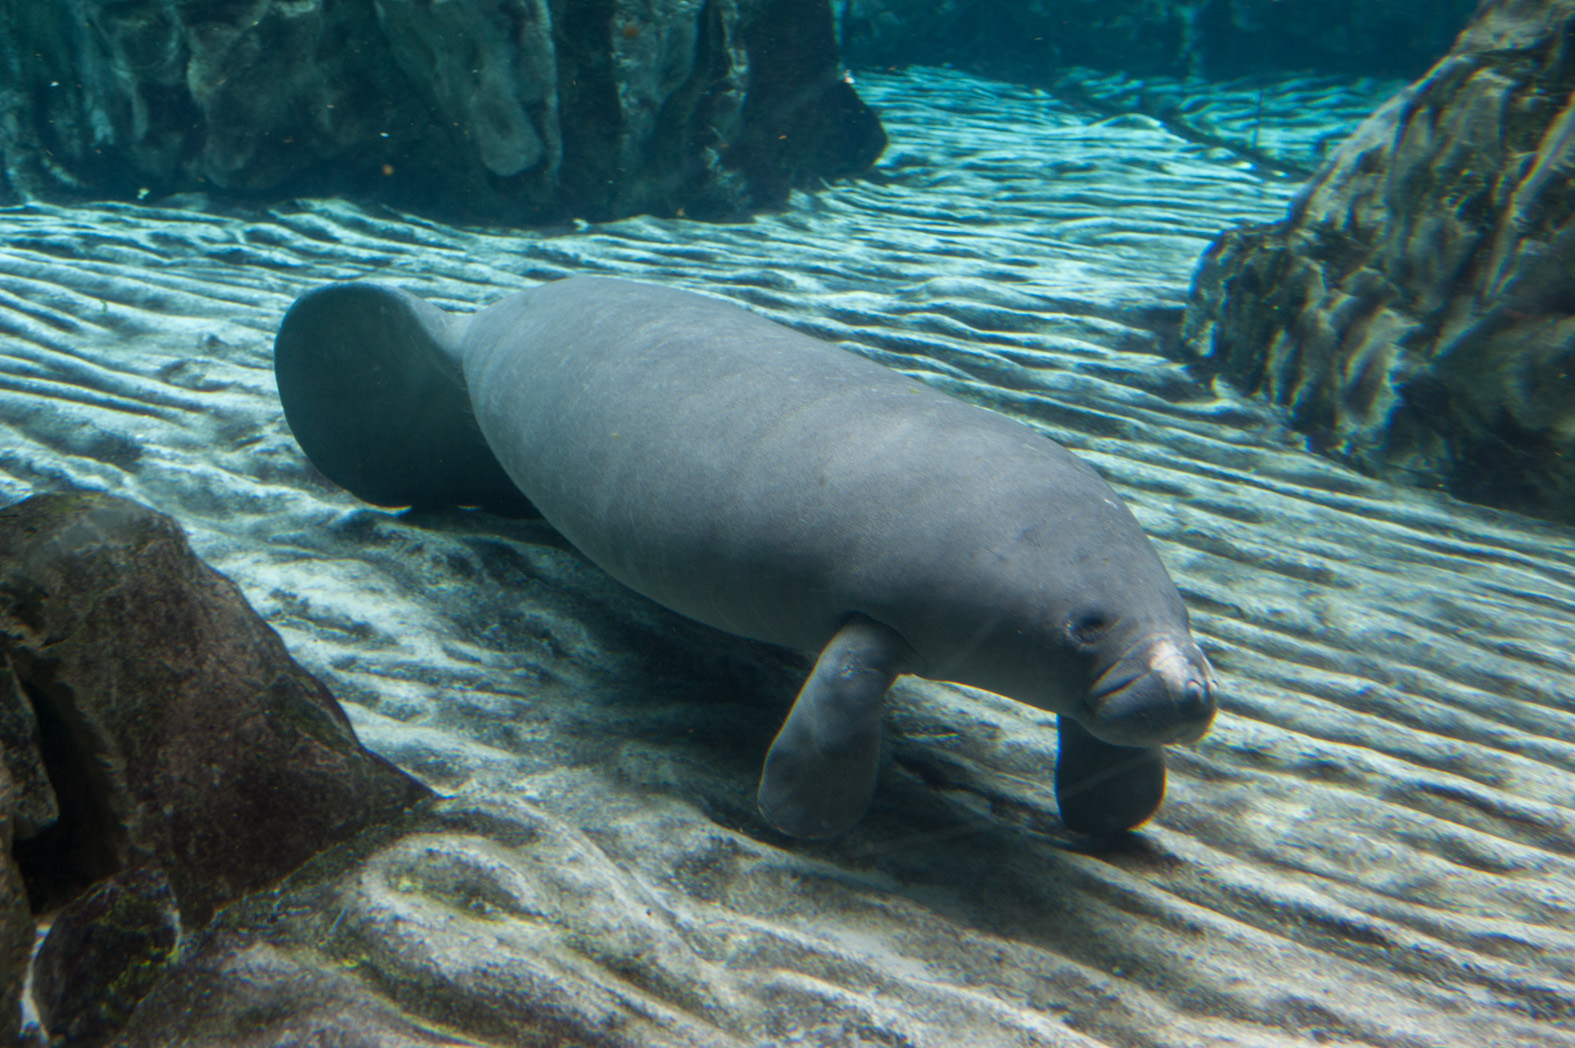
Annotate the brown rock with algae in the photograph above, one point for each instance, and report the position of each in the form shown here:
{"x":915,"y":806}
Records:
{"x":186,"y":758}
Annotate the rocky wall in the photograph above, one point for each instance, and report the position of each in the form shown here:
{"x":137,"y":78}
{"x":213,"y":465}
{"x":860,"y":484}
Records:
{"x":1414,"y":310}
{"x":511,"y":110}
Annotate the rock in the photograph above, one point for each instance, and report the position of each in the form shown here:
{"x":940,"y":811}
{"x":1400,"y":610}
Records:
{"x":1034,"y":39}
{"x":802,"y":119}
{"x":191,"y":759}
{"x":34,"y":805}
{"x":104,"y":952}
{"x":174,"y":726}
{"x":507,"y":110}
{"x":27,"y":804}
{"x":1413,"y":309}
{"x":16,"y":922}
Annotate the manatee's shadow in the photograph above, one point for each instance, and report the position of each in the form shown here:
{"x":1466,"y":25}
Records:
{"x":995,"y":865}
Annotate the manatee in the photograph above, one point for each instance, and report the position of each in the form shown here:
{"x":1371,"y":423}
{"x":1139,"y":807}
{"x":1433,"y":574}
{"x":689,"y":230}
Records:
{"x":778,"y":487}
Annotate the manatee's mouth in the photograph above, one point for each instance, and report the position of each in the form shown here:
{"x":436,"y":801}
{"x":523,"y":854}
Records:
{"x":1160,"y":692}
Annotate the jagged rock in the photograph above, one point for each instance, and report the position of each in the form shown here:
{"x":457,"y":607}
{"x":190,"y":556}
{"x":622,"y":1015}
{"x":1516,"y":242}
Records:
{"x":1214,"y":38}
{"x":802,"y":119}
{"x":186,"y":759}
{"x":16,"y":922}
{"x":174,"y":726}
{"x":1414,"y":308}
{"x":34,"y":805}
{"x":104,"y":952}
{"x":515,"y":110}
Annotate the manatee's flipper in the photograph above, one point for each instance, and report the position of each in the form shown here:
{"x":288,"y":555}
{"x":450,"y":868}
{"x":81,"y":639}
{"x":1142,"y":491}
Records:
{"x":1104,"y":789}
{"x":372,"y":389}
{"x":820,"y":772}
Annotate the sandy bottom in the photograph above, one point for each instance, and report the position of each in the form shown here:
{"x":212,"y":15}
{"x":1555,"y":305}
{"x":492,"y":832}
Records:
{"x":1375,"y":845}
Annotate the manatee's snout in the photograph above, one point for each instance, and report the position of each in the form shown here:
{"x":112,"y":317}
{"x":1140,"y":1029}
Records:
{"x":1159,"y":692}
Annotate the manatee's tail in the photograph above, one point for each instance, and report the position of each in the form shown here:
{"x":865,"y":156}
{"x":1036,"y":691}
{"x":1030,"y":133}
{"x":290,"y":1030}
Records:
{"x":372,"y":389}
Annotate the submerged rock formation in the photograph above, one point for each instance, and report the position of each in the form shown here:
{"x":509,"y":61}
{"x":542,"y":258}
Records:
{"x":16,"y":921}
{"x":170,"y":755}
{"x":1415,"y":309}
{"x":105,"y":950}
{"x":514,"y":110}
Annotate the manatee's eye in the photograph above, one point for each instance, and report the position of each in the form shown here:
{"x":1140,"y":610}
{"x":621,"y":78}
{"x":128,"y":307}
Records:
{"x":1086,"y":627}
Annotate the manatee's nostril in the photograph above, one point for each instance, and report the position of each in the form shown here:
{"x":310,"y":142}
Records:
{"x":1194,"y":700}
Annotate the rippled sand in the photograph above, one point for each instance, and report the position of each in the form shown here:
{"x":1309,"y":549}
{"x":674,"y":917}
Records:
{"x":1376,"y":844}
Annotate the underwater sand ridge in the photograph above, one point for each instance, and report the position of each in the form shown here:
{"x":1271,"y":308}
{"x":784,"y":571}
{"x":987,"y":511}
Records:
{"x":1376,"y":843}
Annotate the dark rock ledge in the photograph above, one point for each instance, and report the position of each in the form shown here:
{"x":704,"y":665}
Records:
{"x":163,"y":756}
{"x":500,"y":110}
{"x":1415,"y":309}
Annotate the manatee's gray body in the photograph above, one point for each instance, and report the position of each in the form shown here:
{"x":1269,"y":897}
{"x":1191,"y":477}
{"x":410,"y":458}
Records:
{"x":777,"y":487}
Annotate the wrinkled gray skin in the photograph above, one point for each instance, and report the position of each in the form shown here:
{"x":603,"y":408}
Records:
{"x":777,"y":487}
